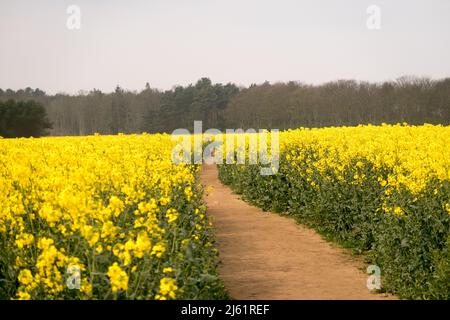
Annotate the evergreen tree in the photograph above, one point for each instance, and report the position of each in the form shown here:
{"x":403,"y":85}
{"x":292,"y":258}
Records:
{"x":23,"y":119}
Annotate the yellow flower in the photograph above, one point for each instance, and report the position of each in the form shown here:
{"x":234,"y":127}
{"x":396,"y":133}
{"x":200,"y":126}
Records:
{"x":158,"y":250}
{"x":167,"y":288}
{"x":171,"y":215}
{"x":398,"y":211}
{"x":116,"y":205}
{"x":108,"y":230}
{"x":45,"y":243}
{"x":23,"y":295}
{"x":24,"y":240}
{"x":188,"y":192}
{"x":86,"y":287}
{"x":25,"y":277}
{"x":145,"y":207}
{"x":90,"y":235}
{"x":164,"y":201}
{"x":49,"y":214}
{"x":382,"y":182}
{"x":142,"y":245}
{"x":118,"y":278}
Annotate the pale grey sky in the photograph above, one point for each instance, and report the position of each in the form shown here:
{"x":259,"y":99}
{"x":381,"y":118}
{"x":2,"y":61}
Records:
{"x":168,"y":42}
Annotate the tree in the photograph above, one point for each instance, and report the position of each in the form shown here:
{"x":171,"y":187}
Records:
{"x":23,"y":119}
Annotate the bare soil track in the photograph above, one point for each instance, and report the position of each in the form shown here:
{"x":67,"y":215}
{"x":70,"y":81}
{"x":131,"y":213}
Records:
{"x":267,"y":256}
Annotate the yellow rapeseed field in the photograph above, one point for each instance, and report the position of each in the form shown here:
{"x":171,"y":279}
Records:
{"x":113,"y":217}
{"x":102,"y":217}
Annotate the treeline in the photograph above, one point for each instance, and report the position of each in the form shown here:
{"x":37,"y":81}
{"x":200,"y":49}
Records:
{"x":345,"y":102}
{"x":279,"y":105}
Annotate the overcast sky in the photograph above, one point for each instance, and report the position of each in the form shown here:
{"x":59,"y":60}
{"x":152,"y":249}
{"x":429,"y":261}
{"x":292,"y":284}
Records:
{"x":169,"y":42}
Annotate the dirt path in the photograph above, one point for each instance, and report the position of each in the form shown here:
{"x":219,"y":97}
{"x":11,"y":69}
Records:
{"x":266,"y":256}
